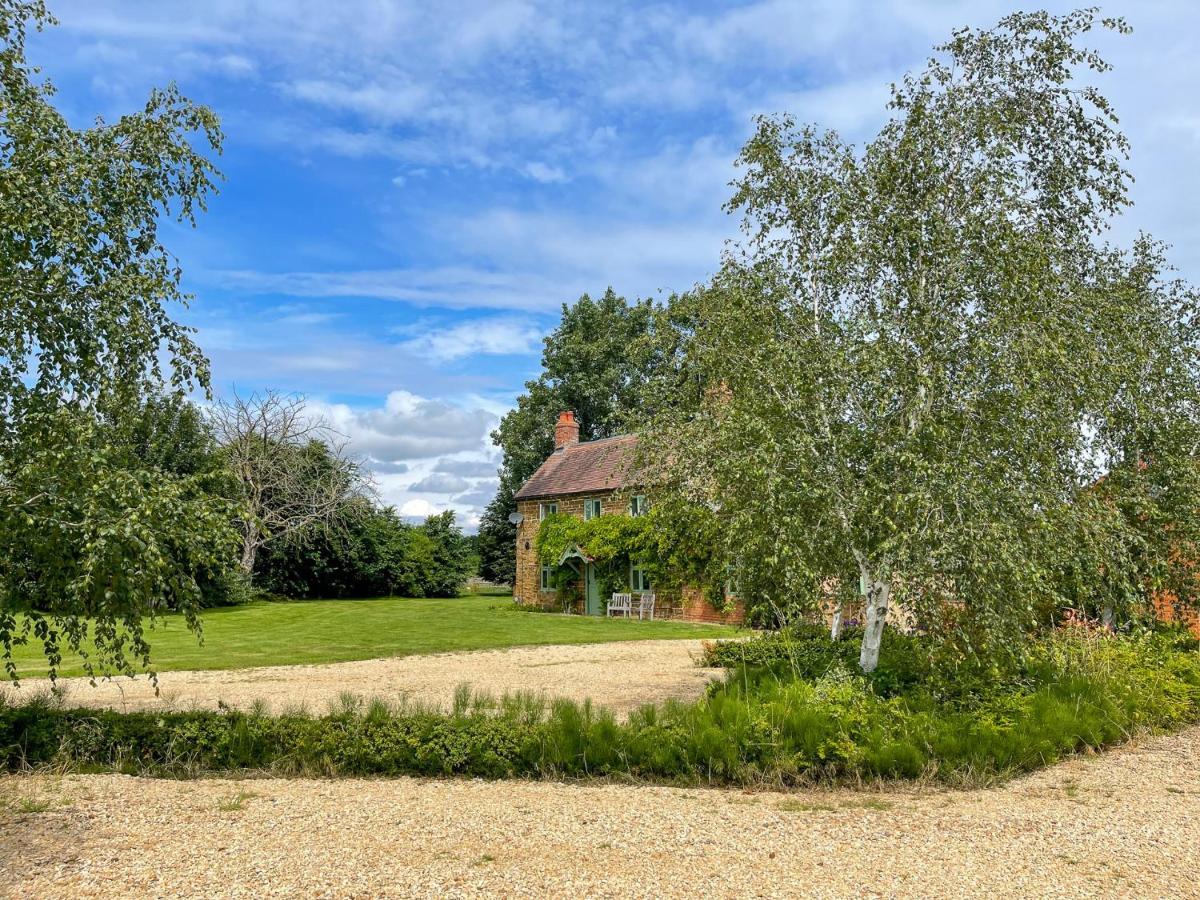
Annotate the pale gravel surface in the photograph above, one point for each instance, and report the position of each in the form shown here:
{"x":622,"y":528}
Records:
{"x":1122,"y":824}
{"x":619,"y":675}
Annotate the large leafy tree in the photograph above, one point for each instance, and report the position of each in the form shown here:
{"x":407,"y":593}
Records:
{"x":373,"y":554}
{"x":596,"y":363}
{"x":86,"y":291}
{"x":923,"y":357}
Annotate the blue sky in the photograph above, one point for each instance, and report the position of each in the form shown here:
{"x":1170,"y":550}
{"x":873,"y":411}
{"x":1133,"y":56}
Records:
{"x":413,"y":189}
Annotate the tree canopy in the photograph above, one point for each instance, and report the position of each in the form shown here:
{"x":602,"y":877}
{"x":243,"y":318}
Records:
{"x":924,"y":354}
{"x":86,"y":332}
{"x":596,"y":363}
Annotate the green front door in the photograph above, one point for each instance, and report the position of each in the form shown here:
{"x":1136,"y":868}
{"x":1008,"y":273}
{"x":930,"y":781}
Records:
{"x":591,"y":591}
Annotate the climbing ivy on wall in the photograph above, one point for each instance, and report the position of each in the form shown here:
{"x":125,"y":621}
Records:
{"x":676,"y":544}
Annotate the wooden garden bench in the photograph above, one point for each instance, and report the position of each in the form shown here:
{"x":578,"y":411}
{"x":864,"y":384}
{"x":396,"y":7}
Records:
{"x":621,"y":603}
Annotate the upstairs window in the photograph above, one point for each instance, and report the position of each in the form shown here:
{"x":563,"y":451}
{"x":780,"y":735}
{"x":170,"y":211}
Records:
{"x":591,"y":509}
{"x":638,"y":579}
{"x":637,"y":505}
{"x":546,"y":509}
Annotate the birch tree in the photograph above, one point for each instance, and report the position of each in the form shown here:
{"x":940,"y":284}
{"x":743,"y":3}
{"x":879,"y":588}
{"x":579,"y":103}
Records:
{"x":923,"y":352}
{"x":92,"y":543}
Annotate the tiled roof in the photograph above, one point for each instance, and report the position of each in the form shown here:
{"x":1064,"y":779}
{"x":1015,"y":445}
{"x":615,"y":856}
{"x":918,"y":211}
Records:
{"x":584,"y":468}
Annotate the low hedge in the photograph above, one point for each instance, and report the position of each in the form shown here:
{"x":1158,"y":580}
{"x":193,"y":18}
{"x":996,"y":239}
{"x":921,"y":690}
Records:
{"x":764,"y":724}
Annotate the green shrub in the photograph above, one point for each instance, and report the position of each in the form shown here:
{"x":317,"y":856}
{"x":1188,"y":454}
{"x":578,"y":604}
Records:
{"x":762,"y":724}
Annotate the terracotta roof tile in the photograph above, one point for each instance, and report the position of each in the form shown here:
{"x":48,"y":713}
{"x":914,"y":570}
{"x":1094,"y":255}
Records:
{"x":588,"y":467}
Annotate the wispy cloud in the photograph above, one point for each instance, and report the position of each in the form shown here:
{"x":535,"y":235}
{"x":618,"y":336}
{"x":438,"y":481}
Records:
{"x":493,"y":337}
{"x":546,"y":174}
{"x":424,"y":184}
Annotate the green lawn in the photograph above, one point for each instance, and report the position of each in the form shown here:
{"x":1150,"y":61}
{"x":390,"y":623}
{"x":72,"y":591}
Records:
{"x":323,"y":631}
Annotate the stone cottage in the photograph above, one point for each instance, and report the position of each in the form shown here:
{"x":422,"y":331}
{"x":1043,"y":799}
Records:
{"x":588,"y":479}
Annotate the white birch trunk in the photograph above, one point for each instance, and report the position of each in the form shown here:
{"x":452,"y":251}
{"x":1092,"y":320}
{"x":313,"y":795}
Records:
{"x":878,"y":597}
{"x":835,"y":630}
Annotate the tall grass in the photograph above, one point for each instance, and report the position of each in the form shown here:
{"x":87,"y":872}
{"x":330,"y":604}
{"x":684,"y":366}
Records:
{"x":767,"y":724}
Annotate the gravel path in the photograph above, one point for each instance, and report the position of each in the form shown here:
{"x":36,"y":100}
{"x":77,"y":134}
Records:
{"x":1122,"y":824}
{"x":618,"y":675}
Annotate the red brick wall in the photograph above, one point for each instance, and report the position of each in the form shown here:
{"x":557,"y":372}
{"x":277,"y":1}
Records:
{"x":1166,"y":608}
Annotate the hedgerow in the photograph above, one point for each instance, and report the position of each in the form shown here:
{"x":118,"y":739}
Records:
{"x":762,"y":725}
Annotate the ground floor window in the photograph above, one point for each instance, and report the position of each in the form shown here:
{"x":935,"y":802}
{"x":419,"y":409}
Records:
{"x":547,"y":581}
{"x":638,"y":579}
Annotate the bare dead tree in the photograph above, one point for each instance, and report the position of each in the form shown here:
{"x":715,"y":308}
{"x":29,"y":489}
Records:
{"x":291,"y":465}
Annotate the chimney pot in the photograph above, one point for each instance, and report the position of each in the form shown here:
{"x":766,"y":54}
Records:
{"x":566,"y":430}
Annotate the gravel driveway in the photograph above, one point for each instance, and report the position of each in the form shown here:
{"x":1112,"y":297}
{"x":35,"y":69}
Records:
{"x":618,"y":675}
{"x":1122,"y":824}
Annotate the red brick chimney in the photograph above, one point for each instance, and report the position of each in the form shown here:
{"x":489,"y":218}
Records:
{"x":566,"y":430}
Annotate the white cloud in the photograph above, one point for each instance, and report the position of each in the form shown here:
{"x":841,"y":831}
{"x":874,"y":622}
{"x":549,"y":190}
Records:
{"x":493,"y":337}
{"x":455,"y":287}
{"x":389,"y":102}
{"x":419,"y":508}
{"x":470,"y":468}
{"x":855,"y":108}
{"x":546,"y":174}
{"x":476,"y":499}
{"x":408,"y":427}
{"x":425,"y":455}
{"x":440,"y":483}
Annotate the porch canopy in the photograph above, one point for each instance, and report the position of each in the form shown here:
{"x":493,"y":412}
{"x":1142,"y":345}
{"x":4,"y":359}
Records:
{"x":573,"y":553}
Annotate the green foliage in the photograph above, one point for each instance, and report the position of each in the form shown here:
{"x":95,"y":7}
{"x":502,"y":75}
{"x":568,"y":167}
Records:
{"x":372,"y":554}
{"x":498,"y":538}
{"x":87,"y":528}
{"x":450,"y":556}
{"x":94,"y":541}
{"x":594,"y":363}
{"x":673,"y":543}
{"x":761,"y":726}
{"x":923,"y":355}
{"x":613,"y":543}
{"x":164,"y":433}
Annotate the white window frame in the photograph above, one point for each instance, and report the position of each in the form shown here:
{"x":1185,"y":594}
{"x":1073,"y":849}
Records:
{"x":547,"y":509}
{"x":547,"y":579}
{"x":637,"y":505}
{"x":592,"y":508}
